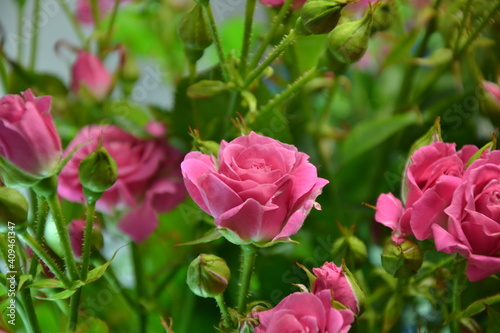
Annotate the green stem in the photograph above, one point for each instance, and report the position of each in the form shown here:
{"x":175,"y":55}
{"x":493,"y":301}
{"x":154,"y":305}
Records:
{"x":139,"y":287}
{"x":94,"y":4}
{"x":478,"y":30}
{"x":456,"y":299}
{"x":3,"y":75}
{"x":62,"y":231}
{"x":40,"y":221}
{"x":248,"y":254}
{"x":192,"y":72}
{"x":34,"y":38}
{"x":247,"y":34}
{"x":277,"y":21}
{"x":29,"y":309}
{"x":464,"y":22}
{"x":112,"y":20}
{"x":74,"y":304}
{"x":87,"y":240}
{"x":275,"y":53}
{"x":429,"y":84}
{"x":432,"y":270}
{"x":290,"y":90}
{"x":215,"y":36}
{"x":226,"y":317}
{"x":403,"y":96}
{"x":37,"y":248}
{"x":72,"y":19}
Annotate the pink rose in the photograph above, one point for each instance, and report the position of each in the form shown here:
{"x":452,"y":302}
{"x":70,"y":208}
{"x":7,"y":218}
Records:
{"x":473,"y":227}
{"x":89,"y":72}
{"x":432,"y":177}
{"x":331,"y":277}
{"x":258,"y":189}
{"x":84,"y":9}
{"x":149,"y":178}
{"x":28,"y":138}
{"x":493,"y":90}
{"x":304,"y":312}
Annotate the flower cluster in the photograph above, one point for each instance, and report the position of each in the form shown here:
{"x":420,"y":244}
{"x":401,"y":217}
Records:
{"x":330,"y":307}
{"x":454,"y":198}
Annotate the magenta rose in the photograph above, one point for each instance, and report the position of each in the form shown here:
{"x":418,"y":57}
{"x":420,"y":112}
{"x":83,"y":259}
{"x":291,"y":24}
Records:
{"x":149,"y":177}
{"x":473,"y":227}
{"x":305,"y":312}
{"x":331,"y":277}
{"x":89,"y":73}
{"x":28,"y":139}
{"x":432,"y":177}
{"x":258,"y":189}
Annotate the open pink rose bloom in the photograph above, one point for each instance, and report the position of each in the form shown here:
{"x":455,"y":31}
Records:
{"x":258,"y":189}
{"x":149,"y":178}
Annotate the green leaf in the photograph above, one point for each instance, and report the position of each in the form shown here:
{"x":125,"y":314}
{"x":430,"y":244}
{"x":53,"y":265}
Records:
{"x":493,"y":320}
{"x":369,"y":134}
{"x":479,"y":306}
{"x":91,"y":325}
{"x":61,"y":295}
{"x":47,"y":283}
{"x":209,"y":236}
{"x":14,"y":177}
{"x":401,"y":52}
{"x":97,"y":272}
{"x":487,"y":147}
{"x":310,"y":275}
{"x":207,"y":88}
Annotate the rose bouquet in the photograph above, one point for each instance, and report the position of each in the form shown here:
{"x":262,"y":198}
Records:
{"x":272,"y":166}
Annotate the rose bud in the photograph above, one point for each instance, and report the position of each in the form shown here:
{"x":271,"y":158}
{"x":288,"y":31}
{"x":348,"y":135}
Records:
{"x":350,"y":248}
{"x":490,"y":104}
{"x":13,"y":208}
{"x":97,"y":172}
{"x":402,"y":260}
{"x":344,"y":287}
{"x":320,"y":16}
{"x":208,"y":275}
{"x":90,"y":77}
{"x":30,"y":147}
{"x":194,"y":32}
{"x":348,"y":42}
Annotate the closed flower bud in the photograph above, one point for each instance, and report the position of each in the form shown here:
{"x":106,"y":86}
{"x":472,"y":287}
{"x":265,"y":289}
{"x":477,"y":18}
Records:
{"x":351,"y":249}
{"x":194,"y":33}
{"x":97,"y":172}
{"x":402,"y":260}
{"x":320,"y":16}
{"x":348,"y":42}
{"x":381,"y":17}
{"x":490,"y":104}
{"x":208,"y":275}
{"x":13,"y":208}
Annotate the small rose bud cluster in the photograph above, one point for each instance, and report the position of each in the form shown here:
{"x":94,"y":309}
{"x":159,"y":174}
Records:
{"x":331,"y":305}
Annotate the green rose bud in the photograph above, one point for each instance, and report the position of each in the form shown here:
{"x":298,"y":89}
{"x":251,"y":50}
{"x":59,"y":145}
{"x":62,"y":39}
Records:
{"x":382,"y":17}
{"x":13,"y":209}
{"x":402,"y":260}
{"x":97,"y":172}
{"x":194,"y":33}
{"x":351,"y":249}
{"x":348,"y":42}
{"x":319,"y":16}
{"x":208,"y":275}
